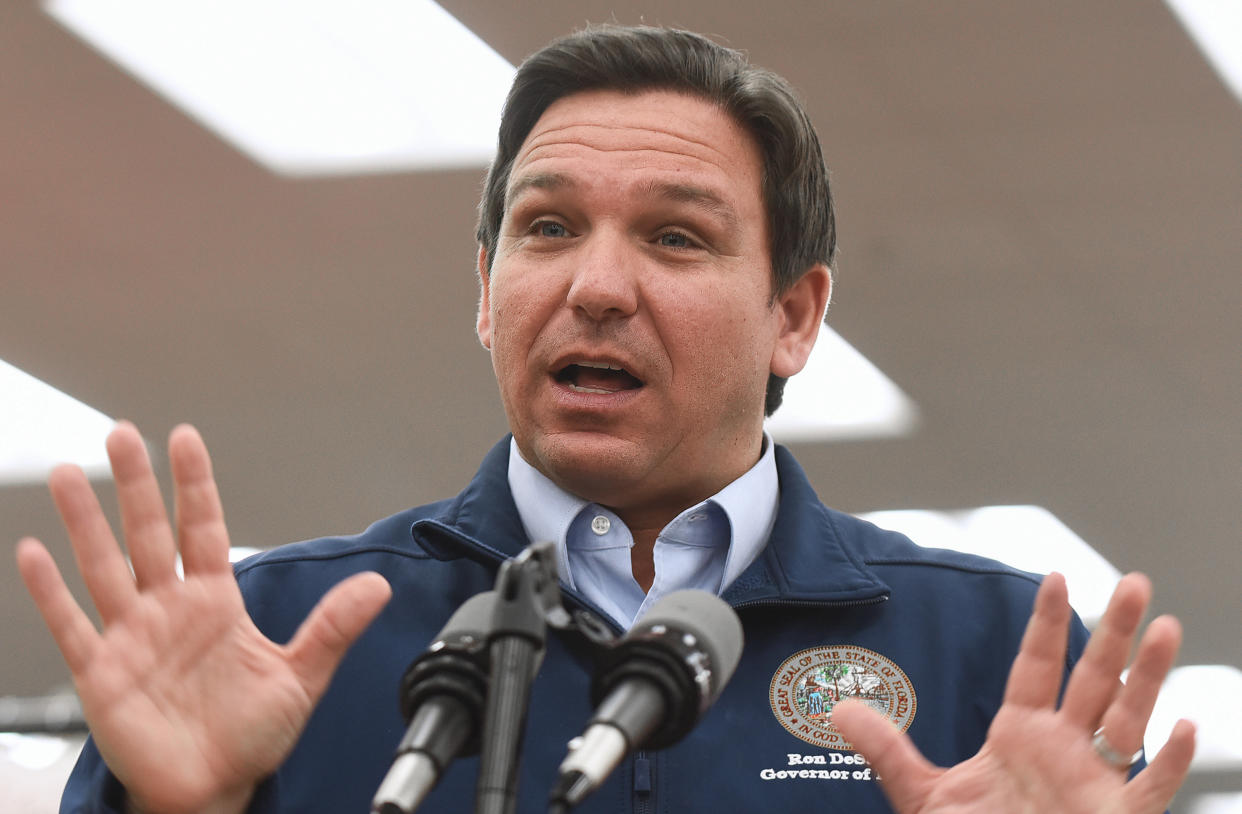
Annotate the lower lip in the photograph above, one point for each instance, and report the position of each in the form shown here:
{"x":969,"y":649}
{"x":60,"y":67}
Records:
{"x":568,"y":397}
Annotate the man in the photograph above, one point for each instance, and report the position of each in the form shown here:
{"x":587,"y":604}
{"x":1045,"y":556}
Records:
{"x":655,"y":244}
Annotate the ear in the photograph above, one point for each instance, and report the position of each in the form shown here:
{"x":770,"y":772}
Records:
{"x":483,"y":325}
{"x":801,"y":309}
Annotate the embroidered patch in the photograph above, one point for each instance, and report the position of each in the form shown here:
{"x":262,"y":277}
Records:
{"x":810,"y":682}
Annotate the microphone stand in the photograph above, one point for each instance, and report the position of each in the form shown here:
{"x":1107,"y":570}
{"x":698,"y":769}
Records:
{"x":527,"y":599}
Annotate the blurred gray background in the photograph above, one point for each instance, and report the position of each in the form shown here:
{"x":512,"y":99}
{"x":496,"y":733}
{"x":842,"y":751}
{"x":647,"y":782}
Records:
{"x":1040,"y":210}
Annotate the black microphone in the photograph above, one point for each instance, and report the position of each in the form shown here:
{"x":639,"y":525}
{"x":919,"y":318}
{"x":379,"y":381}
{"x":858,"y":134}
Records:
{"x":442,"y":696}
{"x":652,"y":687}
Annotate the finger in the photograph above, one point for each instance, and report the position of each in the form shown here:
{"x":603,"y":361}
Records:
{"x":1096,"y":678}
{"x":200,"y":517}
{"x":99,"y":558}
{"x":1035,"y":678}
{"x":71,"y":628}
{"x":1152,"y":789}
{"x":1125,"y":720}
{"x":148,"y":536}
{"x":906,"y":774}
{"x":339,"y":618}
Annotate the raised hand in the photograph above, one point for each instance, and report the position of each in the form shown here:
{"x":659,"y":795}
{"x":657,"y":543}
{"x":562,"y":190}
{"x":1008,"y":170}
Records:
{"x":189,"y":703}
{"x":1039,"y":757}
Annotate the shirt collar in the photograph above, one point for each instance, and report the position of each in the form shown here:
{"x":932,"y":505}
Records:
{"x":545,"y":508}
{"x":750,"y":504}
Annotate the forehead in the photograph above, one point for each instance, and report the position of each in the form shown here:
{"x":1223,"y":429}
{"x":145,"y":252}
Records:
{"x":630,"y":137}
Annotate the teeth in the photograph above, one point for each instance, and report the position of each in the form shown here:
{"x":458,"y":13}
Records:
{"x":598,"y":365}
{"x":578,"y":389}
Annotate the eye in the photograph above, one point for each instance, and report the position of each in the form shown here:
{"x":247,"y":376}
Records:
{"x":549,"y":228}
{"x":675,"y":240}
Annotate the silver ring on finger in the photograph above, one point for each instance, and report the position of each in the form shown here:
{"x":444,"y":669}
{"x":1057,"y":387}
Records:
{"x":1110,"y":755}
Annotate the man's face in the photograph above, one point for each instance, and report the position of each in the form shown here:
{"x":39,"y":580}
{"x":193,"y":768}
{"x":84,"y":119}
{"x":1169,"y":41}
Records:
{"x":629,"y":307}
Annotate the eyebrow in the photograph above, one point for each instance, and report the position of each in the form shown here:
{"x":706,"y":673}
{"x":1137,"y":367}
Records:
{"x":539,"y":180}
{"x":699,"y":197}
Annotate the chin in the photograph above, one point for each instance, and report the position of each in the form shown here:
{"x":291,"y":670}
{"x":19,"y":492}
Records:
{"x":590,"y":465}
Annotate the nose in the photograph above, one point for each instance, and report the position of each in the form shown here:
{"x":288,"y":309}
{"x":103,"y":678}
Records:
{"x":605,"y":284}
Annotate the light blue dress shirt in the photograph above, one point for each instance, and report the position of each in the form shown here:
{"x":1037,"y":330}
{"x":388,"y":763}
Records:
{"x":707,"y":546}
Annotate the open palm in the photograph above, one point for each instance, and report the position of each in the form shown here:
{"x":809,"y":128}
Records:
{"x":1039,"y":755}
{"x":189,"y":703}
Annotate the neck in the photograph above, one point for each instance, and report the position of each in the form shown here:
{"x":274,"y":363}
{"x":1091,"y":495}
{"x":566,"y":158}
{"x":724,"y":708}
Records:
{"x":642,"y":556}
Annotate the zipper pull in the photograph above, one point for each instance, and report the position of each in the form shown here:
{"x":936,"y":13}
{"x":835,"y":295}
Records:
{"x":642,"y":774}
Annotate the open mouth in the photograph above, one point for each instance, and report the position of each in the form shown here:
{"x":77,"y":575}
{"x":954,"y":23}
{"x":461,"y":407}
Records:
{"x":597,"y":377}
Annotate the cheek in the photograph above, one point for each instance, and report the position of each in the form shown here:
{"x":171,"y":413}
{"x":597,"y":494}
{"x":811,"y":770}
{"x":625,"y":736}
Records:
{"x":518,"y":313}
{"x":719,"y":346}
{"x":508,"y":307}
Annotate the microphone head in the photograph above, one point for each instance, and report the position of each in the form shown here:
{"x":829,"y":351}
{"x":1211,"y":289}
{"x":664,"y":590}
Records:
{"x":455,"y":663}
{"x":687,"y":646}
{"x":471,"y":623}
{"x":701,"y":621}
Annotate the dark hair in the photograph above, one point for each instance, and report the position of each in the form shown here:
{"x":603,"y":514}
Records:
{"x":801,"y":226}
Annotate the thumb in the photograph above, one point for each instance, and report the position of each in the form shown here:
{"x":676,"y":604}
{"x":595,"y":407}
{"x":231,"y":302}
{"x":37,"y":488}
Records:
{"x":905,"y":774}
{"x":334,"y":624}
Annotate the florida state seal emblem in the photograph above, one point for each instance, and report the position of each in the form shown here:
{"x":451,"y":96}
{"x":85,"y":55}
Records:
{"x":810,"y":682}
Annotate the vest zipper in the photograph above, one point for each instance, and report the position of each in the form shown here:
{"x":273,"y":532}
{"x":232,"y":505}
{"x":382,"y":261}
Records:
{"x":643,"y":797}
